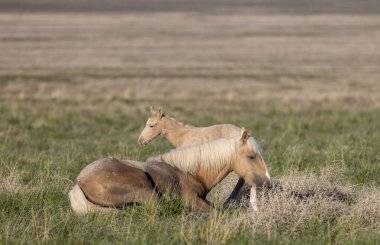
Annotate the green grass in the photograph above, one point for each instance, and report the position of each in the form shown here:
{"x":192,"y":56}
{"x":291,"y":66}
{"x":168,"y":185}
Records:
{"x":45,"y":145}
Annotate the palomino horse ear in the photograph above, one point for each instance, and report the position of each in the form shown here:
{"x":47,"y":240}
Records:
{"x":244,"y":136}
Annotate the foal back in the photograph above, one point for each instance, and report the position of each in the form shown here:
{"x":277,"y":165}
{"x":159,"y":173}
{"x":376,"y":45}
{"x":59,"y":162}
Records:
{"x":198,"y":135}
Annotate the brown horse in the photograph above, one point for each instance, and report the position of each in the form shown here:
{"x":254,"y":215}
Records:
{"x":181,"y":135}
{"x":189,"y":173}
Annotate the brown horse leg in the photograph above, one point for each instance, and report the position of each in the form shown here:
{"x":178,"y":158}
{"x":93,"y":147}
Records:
{"x":234,"y":193}
{"x":195,"y":203}
{"x":136,"y":194}
{"x":146,"y":196}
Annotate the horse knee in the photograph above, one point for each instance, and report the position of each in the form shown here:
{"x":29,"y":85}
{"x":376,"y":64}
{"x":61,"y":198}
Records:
{"x":195,"y":203}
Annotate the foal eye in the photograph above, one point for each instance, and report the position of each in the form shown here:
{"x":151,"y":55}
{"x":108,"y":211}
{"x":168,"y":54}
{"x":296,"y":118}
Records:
{"x":251,"y":157}
{"x":151,"y":126}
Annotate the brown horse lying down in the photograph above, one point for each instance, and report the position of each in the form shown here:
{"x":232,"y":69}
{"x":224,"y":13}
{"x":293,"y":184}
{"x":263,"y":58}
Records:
{"x":181,"y":135}
{"x":189,"y":173}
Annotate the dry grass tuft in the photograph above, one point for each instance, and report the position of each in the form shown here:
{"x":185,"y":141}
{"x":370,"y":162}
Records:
{"x":296,"y":199}
{"x":366,"y":209}
{"x":11,"y":183}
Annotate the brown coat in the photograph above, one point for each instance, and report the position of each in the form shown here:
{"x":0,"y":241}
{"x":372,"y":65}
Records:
{"x":111,"y":182}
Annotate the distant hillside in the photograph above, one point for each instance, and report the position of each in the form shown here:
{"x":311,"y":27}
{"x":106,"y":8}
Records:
{"x":267,"y":6}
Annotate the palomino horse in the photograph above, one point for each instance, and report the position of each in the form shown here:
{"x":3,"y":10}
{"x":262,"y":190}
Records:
{"x":189,"y":173}
{"x":181,"y":135}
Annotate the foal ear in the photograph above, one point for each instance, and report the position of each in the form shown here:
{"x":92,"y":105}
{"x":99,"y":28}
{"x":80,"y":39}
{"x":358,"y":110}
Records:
{"x":152,"y":110}
{"x":160,"y":112}
{"x":244,"y":136}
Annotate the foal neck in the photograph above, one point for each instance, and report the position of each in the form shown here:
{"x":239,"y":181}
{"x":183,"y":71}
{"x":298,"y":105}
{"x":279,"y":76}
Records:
{"x":174,"y":131}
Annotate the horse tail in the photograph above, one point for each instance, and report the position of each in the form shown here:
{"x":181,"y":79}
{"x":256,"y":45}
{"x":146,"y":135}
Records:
{"x":79,"y":202}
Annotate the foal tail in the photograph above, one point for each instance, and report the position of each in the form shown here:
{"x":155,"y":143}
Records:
{"x":79,"y":202}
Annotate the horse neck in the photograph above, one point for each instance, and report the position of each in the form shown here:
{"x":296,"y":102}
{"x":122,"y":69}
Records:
{"x":210,"y":180}
{"x":210,"y":177}
{"x":174,"y":131}
{"x":210,"y":167}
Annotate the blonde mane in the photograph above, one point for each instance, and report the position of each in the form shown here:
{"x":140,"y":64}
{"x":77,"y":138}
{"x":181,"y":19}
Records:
{"x":211,"y":156}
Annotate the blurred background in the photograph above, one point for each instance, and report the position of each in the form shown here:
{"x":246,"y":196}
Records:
{"x":284,"y":51}
{"x":298,"y":74}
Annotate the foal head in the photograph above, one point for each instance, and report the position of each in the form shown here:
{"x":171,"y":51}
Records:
{"x":250,"y":163}
{"x":153,"y":127}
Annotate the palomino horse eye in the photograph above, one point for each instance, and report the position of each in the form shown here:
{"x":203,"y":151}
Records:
{"x":251,"y":157}
{"x":151,"y":126}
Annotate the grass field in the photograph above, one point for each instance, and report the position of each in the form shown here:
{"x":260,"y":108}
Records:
{"x":76,"y":87}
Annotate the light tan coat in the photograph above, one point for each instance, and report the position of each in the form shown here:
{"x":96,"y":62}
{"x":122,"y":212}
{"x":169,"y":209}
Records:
{"x":112,"y":183}
{"x":181,"y":135}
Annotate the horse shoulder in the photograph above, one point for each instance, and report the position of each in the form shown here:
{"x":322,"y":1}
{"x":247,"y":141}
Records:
{"x":164,"y":176}
{"x":190,"y":184}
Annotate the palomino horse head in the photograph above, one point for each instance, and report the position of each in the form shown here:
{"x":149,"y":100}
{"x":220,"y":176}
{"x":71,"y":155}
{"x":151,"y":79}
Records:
{"x":153,"y":127}
{"x":250,"y":165}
